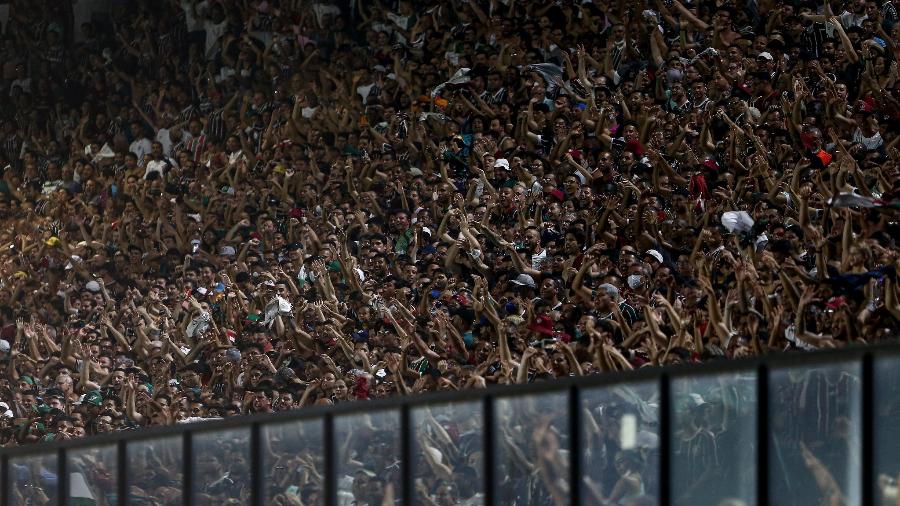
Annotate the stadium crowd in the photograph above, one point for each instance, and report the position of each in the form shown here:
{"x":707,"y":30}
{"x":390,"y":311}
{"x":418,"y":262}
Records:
{"x":220,"y":207}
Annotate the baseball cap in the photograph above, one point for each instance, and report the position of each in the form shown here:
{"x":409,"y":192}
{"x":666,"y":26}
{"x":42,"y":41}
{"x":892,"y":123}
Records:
{"x":502,"y":162}
{"x":765,"y":55}
{"x":92,"y":286}
{"x":524,"y":280}
{"x":54,"y":393}
{"x":4,"y":346}
{"x":557,"y":194}
{"x":655,"y":254}
{"x":94,"y":398}
{"x":610,"y":290}
{"x":227,"y":251}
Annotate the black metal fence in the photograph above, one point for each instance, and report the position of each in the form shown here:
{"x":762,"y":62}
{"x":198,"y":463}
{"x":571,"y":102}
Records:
{"x":808,"y":429}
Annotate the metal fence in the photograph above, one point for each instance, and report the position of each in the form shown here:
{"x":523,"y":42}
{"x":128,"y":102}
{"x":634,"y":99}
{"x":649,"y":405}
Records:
{"x":804,"y":429}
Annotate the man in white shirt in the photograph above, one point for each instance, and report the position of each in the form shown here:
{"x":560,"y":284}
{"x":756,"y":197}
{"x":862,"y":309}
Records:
{"x":170,"y":137}
{"x":159,"y":162}
{"x":535,"y":250}
{"x":854,"y":17}
{"x":141,"y":145}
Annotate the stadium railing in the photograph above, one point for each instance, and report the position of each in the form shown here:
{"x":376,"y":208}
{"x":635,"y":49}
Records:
{"x":780,"y":421}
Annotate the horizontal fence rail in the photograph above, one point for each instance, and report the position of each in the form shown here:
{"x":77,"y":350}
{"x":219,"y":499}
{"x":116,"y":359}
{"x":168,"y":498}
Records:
{"x":790,"y":429}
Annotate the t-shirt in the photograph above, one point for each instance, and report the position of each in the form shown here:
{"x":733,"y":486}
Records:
{"x":140,"y":147}
{"x":673,"y":106}
{"x":628,"y":312}
{"x":214,"y":32}
{"x":537,"y":260}
{"x":321,"y":9}
{"x":162,"y":166}
{"x":24,"y":84}
{"x":189,"y":20}
{"x":51,"y":186}
{"x":364,"y":91}
{"x":403,"y":241}
{"x":849,"y":19}
{"x":164,"y":137}
{"x":871,"y":143}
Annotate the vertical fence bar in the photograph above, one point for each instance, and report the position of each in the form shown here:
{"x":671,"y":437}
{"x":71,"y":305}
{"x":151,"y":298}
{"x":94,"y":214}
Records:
{"x":331,"y":492}
{"x":256,"y":466}
{"x":62,"y":480}
{"x":122,"y":472}
{"x":868,"y":429}
{"x":762,"y":435}
{"x":187,"y":473}
{"x":665,"y":440}
{"x":575,"y":445}
{"x":488,"y":461}
{"x":4,"y":481}
{"x":406,"y":455}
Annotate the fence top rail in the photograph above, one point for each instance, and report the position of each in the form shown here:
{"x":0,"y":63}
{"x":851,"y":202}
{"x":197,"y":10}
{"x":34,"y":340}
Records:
{"x":313,"y":413}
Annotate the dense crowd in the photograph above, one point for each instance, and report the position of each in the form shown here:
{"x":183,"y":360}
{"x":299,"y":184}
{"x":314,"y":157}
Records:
{"x":213,"y":208}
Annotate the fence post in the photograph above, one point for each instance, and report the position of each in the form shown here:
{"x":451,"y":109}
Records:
{"x":575,"y":445}
{"x":490,"y":478}
{"x":762,"y":435}
{"x":122,"y":473}
{"x":257,"y":496}
{"x":407,"y":440}
{"x":868,"y":429}
{"x":4,"y":481}
{"x":665,"y":439}
{"x":62,"y":480}
{"x":330,"y":461}
{"x":187,"y":459}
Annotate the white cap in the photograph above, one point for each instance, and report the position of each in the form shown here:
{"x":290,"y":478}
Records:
{"x":765,"y":55}
{"x":5,"y":411}
{"x":92,"y":286}
{"x":227,"y":251}
{"x":655,"y":254}
{"x":4,"y":346}
{"x":502,"y":162}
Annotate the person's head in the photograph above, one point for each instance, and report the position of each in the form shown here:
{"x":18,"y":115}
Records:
{"x":399,"y":221}
{"x":64,"y":383}
{"x":812,"y":138}
{"x":532,"y":238}
{"x":117,"y":378}
{"x":103,"y":424}
{"x":549,"y":289}
{"x":137,"y":130}
{"x":723,"y":17}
